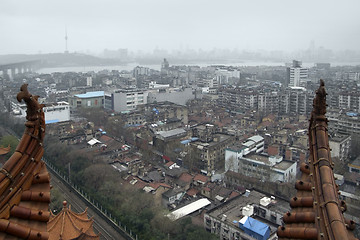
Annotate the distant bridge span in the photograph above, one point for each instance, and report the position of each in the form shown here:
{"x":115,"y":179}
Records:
{"x":10,"y":69}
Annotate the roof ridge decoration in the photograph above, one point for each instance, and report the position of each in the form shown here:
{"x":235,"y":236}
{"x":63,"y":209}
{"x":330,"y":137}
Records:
{"x":317,"y":212}
{"x":70,"y":225}
{"x":19,"y":177}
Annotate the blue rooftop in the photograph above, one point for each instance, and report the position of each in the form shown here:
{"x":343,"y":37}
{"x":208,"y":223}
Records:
{"x":91,"y":94}
{"x":256,"y":226}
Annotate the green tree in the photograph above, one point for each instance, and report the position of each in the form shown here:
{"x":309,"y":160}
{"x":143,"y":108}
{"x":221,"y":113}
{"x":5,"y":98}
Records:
{"x":57,"y":199}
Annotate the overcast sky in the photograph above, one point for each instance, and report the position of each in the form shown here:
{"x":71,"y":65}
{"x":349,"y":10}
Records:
{"x":39,"y":25}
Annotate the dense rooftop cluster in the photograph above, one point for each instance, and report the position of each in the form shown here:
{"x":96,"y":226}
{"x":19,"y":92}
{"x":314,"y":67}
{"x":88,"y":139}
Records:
{"x":185,"y":133}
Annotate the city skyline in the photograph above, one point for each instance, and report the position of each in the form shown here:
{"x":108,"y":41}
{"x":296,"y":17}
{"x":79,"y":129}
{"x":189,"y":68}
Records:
{"x":92,"y":26}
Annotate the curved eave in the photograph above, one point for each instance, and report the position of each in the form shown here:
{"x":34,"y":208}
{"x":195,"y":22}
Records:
{"x":24,"y":180}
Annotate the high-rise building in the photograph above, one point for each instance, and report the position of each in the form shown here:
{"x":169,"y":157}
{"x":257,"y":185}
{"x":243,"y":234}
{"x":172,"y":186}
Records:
{"x":297,"y":75}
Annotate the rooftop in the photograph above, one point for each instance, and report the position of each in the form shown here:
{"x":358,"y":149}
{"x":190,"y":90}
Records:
{"x":70,"y":225}
{"x":190,"y":208}
{"x":284,"y":164}
{"x":171,"y":133}
{"x":259,"y":158}
{"x":233,"y":209}
{"x":91,"y":94}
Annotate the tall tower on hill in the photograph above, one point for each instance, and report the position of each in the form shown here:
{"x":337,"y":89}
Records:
{"x":66,"y":42}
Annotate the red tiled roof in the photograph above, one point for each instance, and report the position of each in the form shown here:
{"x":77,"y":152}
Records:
{"x":234,"y":194}
{"x":156,"y":185}
{"x":168,"y":164}
{"x":192,"y":192}
{"x":105,"y":139}
{"x":186,"y":177}
{"x":201,"y":178}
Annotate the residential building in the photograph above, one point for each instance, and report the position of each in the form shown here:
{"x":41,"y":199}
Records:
{"x":125,"y":99}
{"x":208,"y":82}
{"x":242,"y":216}
{"x":344,"y":123}
{"x":268,"y":102}
{"x":254,"y":144}
{"x":340,"y":146}
{"x":297,"y":75}
{"x":88,"y":100}
{"x":54,"y":112}
{"x":238,"y":99}
{"x":209,"y":156}
{"x":224,"y":74}
{"x":354,"y":166}
{"x":349,"y":101}
{"x":300,"y":101}
{"x":162,"y":111}
{"x":175,"y":95}
{"x":57,"y":112}
{"x":262,"y":167}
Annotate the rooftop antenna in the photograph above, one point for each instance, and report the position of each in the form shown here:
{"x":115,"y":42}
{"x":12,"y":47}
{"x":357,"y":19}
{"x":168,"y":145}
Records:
{"x":66,"y":41}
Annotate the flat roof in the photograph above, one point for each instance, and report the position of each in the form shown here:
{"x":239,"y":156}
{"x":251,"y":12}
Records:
{"x":259,"y":158}
{"x":170,"y":133}
{"x":256,"y":138}
{"x":233,"y":208}
{"x":284,"y":164}
{"x":190,"y":208}
{"x":91,"y":94}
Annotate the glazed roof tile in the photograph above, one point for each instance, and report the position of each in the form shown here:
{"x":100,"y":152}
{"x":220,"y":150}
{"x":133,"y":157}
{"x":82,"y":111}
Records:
{"x":317,"y":212}
{"x":70,"y":225}
{"x":24,"y":180}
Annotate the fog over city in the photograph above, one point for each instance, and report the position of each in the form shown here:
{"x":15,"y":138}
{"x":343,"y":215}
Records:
{"x":39,"y":26}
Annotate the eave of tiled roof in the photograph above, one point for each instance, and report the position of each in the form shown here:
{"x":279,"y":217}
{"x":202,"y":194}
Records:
{"x":24,"y":180}
{"x":70,"y":225}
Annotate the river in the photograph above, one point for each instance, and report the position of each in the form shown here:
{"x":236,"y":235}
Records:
{"x":131,"y":66}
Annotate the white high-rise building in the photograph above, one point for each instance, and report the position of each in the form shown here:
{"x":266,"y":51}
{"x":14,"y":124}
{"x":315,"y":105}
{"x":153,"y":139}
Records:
{"x":297,"y":75}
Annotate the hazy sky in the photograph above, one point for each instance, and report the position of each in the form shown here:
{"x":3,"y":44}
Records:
{"x":39,"y":25}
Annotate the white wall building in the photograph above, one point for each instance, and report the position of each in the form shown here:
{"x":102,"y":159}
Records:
{"x":174,"y":95}
{"x":54,"y":112}
{"x":340,"y":146}
{"x":297,"y":74}
{"x":254,"y":144}
{"x":248,"y":161}
{"x":125,"y":99}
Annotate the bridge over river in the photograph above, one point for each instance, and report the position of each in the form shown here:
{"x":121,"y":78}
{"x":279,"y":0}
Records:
{"x":9,"y":70}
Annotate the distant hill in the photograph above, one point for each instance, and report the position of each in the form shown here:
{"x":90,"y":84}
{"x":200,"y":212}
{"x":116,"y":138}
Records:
{"x":60,"y":59}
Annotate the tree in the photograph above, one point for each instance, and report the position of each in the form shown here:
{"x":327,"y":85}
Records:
{"x":56,"y":200}
{"x":96,"y":115}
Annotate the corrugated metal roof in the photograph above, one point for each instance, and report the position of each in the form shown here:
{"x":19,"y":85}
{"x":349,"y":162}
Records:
{"x":91,"y":94}
{"x":190,"y":208}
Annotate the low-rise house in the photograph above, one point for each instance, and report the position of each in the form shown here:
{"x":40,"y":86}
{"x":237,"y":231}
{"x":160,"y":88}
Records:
{"x":228,"y":220}
{"x":172,"y":196}
{"x":185,"y":180}
{"x":200,"y":179}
